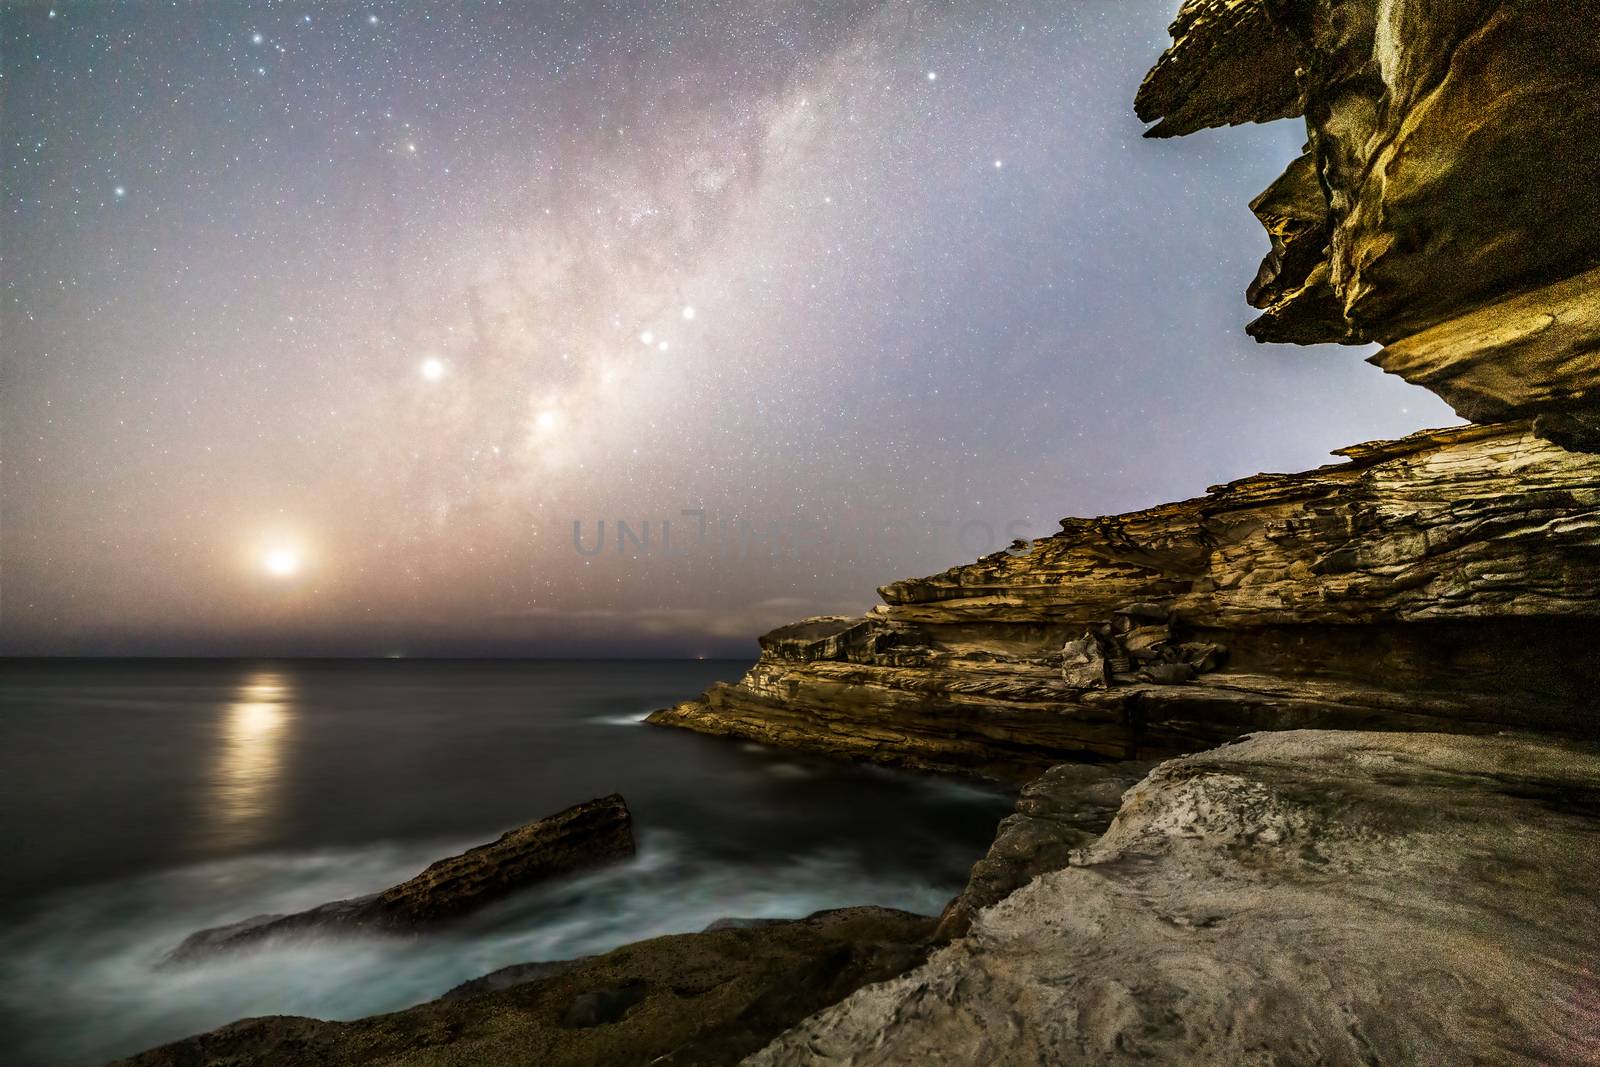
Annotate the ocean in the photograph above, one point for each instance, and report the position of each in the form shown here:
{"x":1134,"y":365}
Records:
{"x":144,"y":800}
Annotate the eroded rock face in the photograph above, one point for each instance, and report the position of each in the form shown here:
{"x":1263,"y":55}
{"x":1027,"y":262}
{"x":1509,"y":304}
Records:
{"x":1447,"y":190}
{"x":1449,"y":581}
{"x":1340,"y":898}
{"x":585,"y":835}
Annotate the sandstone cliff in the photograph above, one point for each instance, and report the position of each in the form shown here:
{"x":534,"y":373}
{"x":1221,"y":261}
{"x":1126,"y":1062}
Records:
{"x":585,"y":835}
{"x":1448,"y":581}
{"x":1447,"y":202}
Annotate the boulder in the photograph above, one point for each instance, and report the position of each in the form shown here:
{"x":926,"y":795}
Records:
{"x":1083,"y":664}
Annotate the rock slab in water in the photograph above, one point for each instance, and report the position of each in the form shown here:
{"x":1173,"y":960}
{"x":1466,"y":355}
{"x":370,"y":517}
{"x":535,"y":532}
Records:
{"x":686,"y":1000}
{"x":1339,"y":898}
{"x":585,"y":835}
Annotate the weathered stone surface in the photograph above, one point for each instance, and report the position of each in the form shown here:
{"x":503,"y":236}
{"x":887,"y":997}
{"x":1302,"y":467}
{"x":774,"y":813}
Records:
{"x":1308,"y":897}
{"x":1230,"y":62}
{"x":585,"y":835}
{"x":1064,"y":809}
{"x":1083,"y":663}
{"x":1449,"y":176}
{"x":689,"y":999}
{"x":1448,"y":581}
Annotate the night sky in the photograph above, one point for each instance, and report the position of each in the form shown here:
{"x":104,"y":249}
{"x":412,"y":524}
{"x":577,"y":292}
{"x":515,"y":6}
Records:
{"x":324,"y":323}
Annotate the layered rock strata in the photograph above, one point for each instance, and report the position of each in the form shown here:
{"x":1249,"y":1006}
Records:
{"x":585,"y":835}
{"x":1340,"y":898}
{"x":1448,"y":581}
{"x":1446,"y":204}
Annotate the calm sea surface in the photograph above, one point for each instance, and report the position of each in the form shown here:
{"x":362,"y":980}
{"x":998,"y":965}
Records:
{"x":142,"y":800}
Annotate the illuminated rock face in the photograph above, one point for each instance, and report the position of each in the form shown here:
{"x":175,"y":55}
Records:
{"x":1449,"y":581}
{"x":1447,"y":204}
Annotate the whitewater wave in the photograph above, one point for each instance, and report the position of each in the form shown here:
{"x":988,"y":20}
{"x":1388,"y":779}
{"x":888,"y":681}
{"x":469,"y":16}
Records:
{"x":630,"y":718}
{"x":80,"y":975}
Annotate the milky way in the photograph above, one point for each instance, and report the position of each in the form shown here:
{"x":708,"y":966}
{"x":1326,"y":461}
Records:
{"x":325,"y":324}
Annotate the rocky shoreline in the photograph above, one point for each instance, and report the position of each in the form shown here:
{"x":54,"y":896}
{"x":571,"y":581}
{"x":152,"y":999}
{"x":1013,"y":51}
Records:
{"x":1397,"y":864}
{"x":1449,"y":581}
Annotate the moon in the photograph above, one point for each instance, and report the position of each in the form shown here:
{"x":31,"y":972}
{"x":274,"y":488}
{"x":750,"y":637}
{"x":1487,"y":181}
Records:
{"x":281,"y":562}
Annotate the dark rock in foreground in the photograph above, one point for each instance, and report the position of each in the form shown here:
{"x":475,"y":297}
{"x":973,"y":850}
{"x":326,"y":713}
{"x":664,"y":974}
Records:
{"x":586,"y":835}
{"x":1296,"y":898}
{"x":700,"y":999}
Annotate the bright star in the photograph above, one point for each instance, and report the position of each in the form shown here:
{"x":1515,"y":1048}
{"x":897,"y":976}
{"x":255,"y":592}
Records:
{"x":998,"y":164}
{"x":432,"y":369}
{"x":688,"y":312}
{"x":647,"y":338}
{"x":662,"y":346}
{"x":120,"y":192}
{"x":256,"y":38}
{"x":546,"y":420}
{"x":933,"y":75}
{"x":373,"y":19}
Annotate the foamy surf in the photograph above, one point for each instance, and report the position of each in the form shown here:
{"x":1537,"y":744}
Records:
{"x":83,"y":969}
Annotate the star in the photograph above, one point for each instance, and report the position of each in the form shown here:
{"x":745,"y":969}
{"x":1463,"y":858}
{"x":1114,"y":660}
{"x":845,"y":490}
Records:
{"x":432,"y":369}
{"x":933,"y":75}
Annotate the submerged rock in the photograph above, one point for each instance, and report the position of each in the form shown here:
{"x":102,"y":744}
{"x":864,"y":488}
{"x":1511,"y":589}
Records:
{"x":687,"y":1000}
{"x":1303,"y":897}
{"x":585,"y":835}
